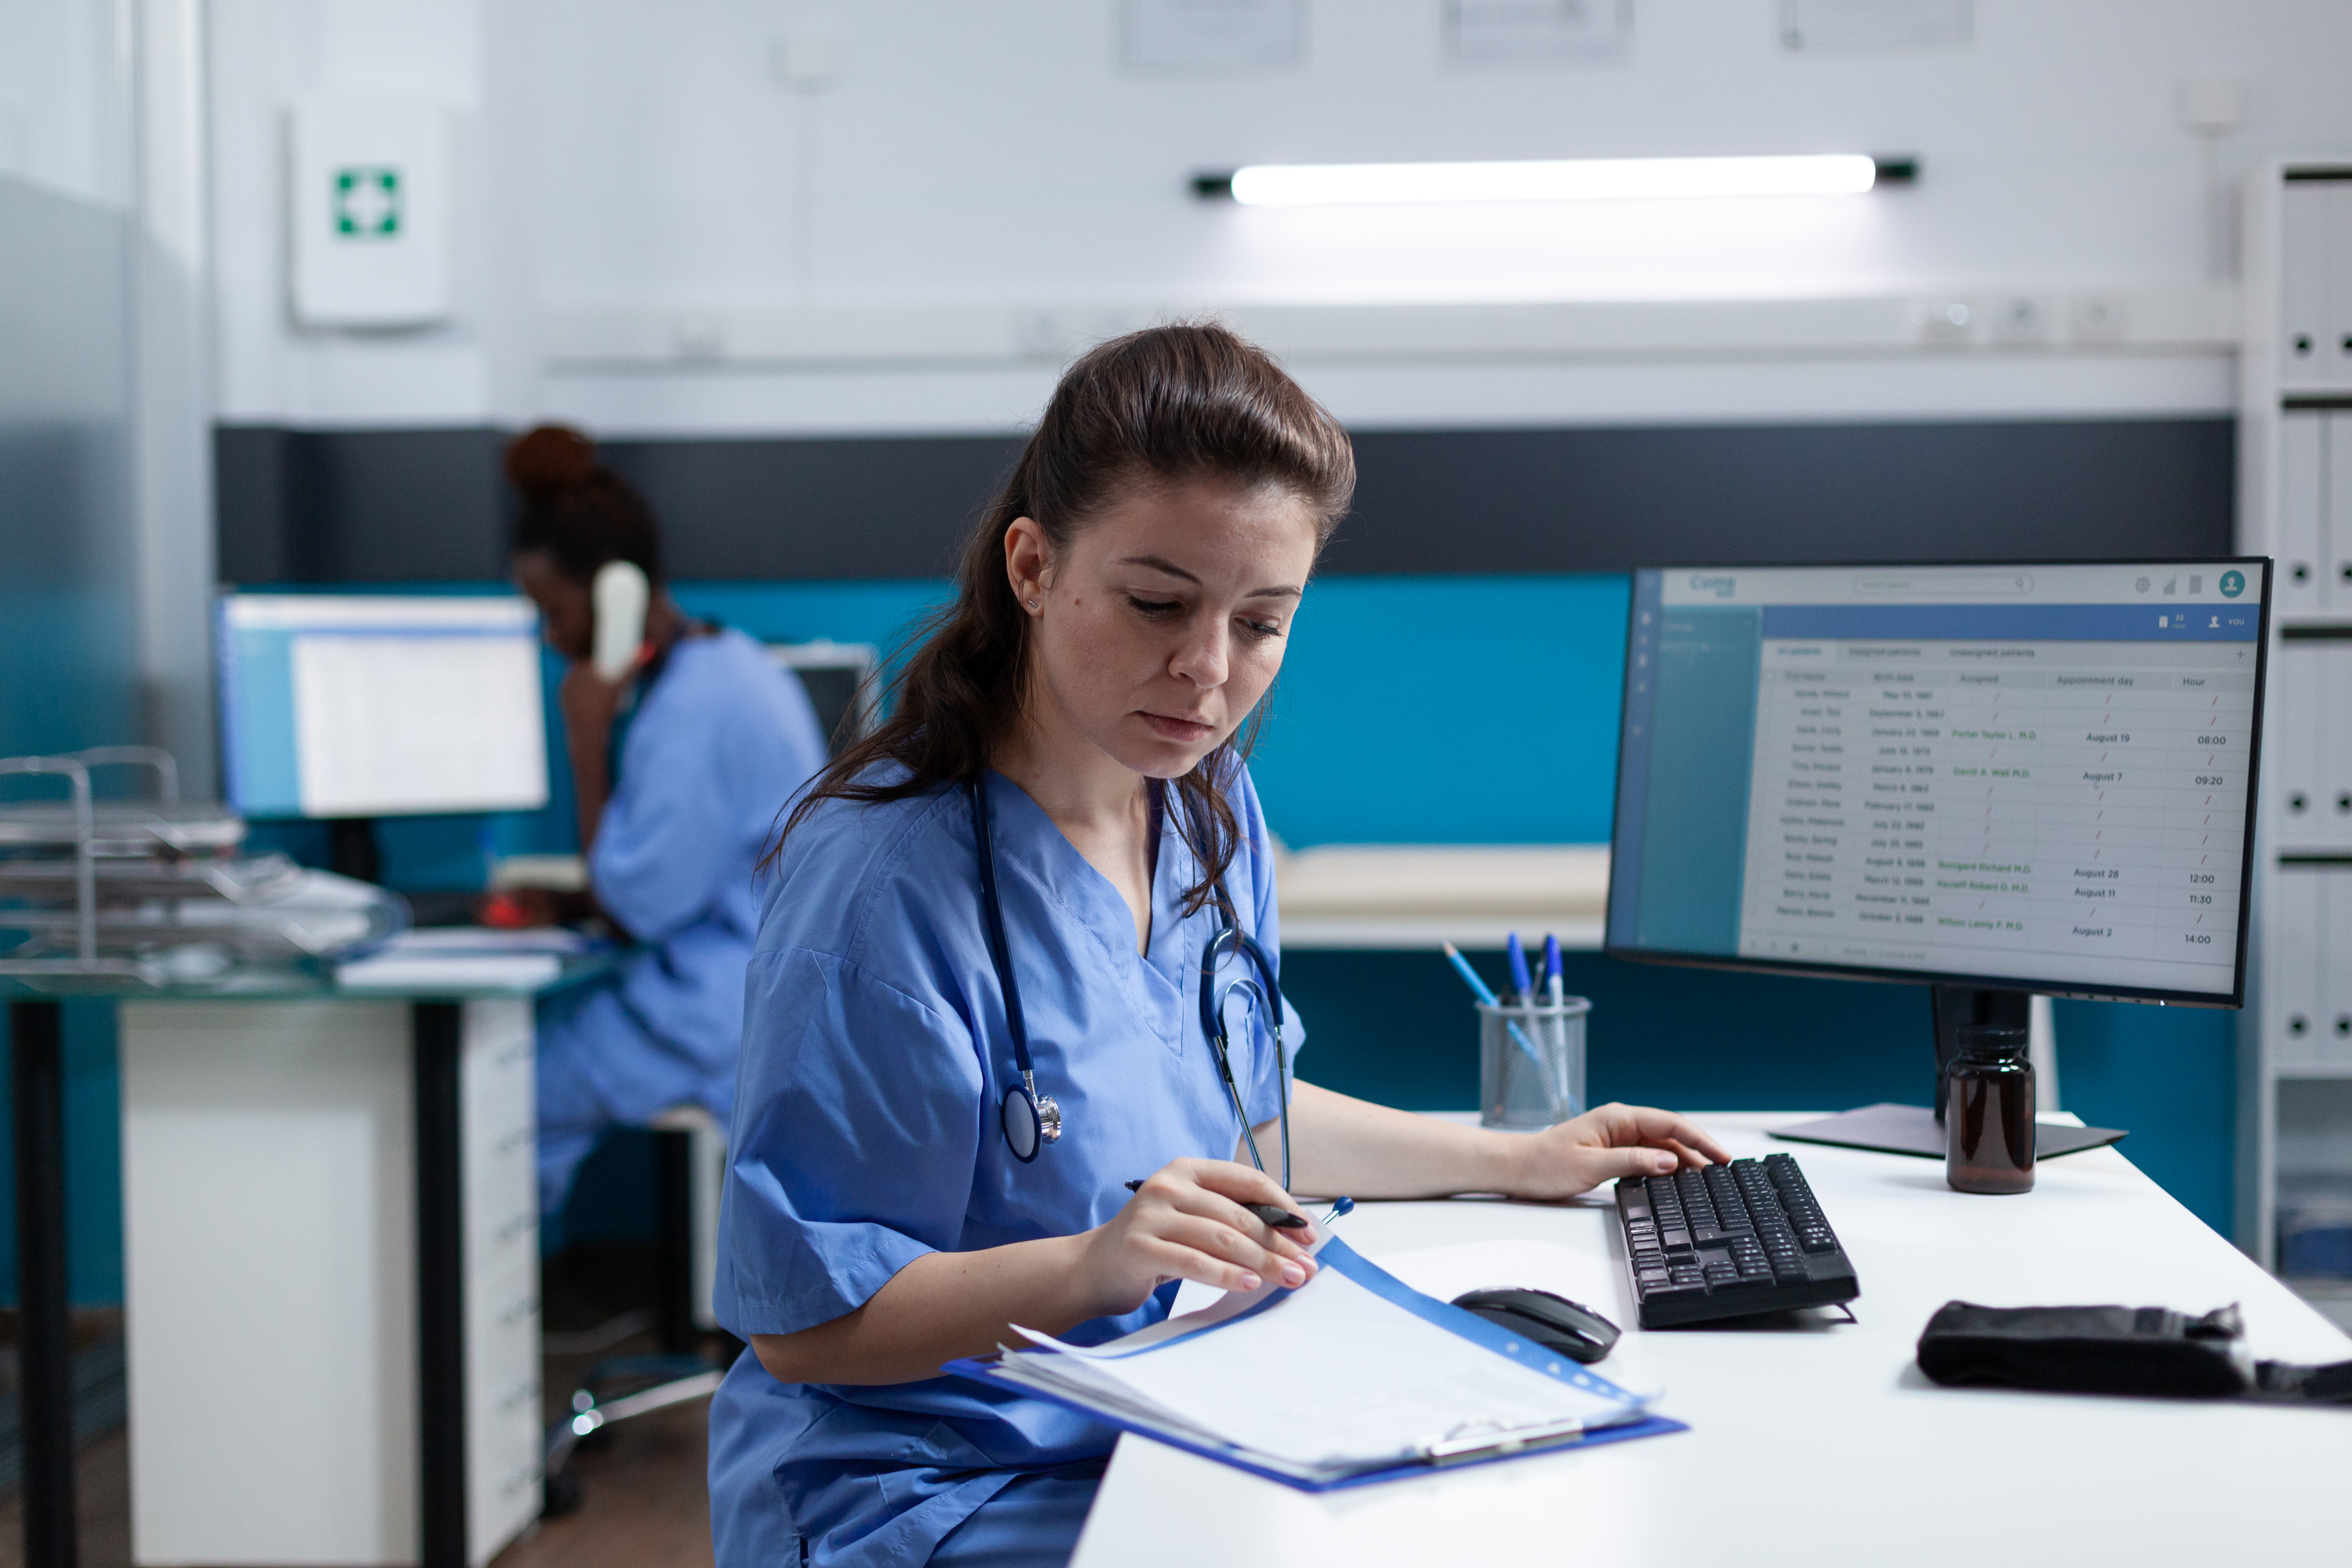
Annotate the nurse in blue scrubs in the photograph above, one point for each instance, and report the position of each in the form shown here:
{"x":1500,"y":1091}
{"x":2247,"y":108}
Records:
{"x":1073,"y":732}
{"x":713,"y":741}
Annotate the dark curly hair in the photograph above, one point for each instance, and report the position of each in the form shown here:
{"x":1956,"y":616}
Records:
{"x":577,"y":510}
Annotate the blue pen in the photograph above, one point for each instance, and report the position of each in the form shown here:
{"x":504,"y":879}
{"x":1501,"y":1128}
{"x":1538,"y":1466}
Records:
{"x":1519,"y":981}
{"x":1479,"y":989}
{"x":1470,"y":975}
{"x":1553,"y":996}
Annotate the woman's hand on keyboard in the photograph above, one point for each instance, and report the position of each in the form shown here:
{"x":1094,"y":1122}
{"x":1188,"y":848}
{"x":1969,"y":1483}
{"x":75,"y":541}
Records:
{"x":1606,"y":1142}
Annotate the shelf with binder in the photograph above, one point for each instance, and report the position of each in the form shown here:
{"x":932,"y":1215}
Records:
{"x":2295,"y":1059}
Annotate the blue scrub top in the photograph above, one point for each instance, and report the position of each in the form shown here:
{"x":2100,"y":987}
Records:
{"x":720,"y":740}
{"x":876,"y":1052}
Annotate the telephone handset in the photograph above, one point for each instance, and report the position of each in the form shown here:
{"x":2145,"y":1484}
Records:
{"x":620,"y":595}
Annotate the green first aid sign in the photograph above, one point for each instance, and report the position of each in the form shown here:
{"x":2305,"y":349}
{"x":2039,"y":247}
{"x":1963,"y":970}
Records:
{"x":367,"y":203}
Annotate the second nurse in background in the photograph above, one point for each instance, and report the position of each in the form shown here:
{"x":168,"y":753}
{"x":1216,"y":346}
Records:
{"x":678,"y":769}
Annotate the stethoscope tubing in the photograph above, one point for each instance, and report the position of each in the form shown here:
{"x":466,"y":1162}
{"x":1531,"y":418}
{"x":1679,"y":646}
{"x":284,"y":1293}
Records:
{"x":1043,"y":1116}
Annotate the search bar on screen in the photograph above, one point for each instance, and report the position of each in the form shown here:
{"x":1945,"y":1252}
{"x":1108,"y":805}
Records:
{"x":1945,"y":586}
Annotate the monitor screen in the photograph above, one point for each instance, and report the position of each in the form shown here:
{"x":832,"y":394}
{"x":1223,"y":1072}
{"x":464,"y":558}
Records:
{"x":2035,"y":777}
{"x":337,"y":705}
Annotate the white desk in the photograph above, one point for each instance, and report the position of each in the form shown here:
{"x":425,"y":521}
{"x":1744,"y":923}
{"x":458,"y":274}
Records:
{"x":1822,"y":1442}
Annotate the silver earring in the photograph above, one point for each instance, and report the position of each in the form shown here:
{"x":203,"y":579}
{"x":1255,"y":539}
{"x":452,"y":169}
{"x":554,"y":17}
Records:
{"x":1032,"y":604}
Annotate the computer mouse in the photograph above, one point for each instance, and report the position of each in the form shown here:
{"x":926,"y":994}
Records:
{"x":1553,"y":1321}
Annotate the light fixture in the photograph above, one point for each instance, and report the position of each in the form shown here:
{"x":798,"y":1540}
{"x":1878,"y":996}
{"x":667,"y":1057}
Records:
{"x":1561,"y":180}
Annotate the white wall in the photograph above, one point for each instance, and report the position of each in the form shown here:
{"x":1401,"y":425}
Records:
{"x":65,"y":104}
{"x":622,"y":155}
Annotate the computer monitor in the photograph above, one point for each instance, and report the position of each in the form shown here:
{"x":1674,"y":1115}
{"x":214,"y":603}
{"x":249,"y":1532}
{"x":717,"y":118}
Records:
{"x":841,"y":680}
{"x":349,"y":705}
{"x":1998,"y":780}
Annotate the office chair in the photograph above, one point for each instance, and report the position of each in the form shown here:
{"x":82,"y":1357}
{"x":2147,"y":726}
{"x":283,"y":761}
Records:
{"x":691,"y":1157}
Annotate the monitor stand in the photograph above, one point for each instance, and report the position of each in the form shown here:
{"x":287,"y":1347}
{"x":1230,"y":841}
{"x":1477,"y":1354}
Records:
{"x":353,"y":850}
{"x":1891,"y":1128}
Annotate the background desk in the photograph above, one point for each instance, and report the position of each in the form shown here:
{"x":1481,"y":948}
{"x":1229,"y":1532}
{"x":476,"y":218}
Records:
{"x":1418,"y":895}
{"x":1822,"y":1443}
{"x":331,"y":1218}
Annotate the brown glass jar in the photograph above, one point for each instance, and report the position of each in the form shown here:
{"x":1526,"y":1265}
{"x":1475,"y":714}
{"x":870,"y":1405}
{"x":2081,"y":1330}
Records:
{"x":1989,"y":1112}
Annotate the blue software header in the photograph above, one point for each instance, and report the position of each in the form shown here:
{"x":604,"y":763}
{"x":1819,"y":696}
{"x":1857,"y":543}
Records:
{"x":2017,"y":623}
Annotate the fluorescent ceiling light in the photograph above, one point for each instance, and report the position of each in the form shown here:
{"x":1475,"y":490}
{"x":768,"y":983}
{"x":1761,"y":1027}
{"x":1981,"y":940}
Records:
{"x":1568,"y":180}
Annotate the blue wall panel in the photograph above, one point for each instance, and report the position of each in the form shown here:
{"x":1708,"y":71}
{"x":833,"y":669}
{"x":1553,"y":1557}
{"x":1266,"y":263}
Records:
{"x":1472,"y":710}
{"x":1398,"y":1027}
{"x":1448,"y":710}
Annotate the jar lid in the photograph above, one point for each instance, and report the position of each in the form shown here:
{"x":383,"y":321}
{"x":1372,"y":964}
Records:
{"x":1991,"y":1040}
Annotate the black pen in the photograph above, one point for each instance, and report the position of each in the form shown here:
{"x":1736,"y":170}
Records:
{"x":1273,"y":1214}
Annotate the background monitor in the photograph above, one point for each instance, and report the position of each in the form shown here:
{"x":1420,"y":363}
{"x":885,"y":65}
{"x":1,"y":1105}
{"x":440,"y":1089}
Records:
{"x":347,"y":706}
{"x":2034,"y":778}
{"x":842,"y":681}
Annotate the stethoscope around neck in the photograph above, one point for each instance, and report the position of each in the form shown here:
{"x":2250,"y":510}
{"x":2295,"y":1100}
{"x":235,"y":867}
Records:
{"x":1030,"y":1120}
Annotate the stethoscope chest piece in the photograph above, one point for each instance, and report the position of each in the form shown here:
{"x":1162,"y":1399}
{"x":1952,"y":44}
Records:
{"x":1031,"y":1120}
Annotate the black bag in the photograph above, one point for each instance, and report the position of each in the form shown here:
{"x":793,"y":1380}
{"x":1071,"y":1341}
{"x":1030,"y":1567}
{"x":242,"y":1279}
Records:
{"x":2116,"y":1349}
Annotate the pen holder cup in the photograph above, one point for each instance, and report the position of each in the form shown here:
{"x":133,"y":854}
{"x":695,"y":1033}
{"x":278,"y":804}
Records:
{"x":1531,"y":1063}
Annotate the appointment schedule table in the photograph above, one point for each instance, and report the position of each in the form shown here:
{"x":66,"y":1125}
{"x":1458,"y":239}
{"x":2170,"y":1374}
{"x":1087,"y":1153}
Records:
{"x":1984,"y":806}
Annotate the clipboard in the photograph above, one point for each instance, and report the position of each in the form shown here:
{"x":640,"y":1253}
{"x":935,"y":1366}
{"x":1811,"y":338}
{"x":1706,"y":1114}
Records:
{"x":1454,"y":1450}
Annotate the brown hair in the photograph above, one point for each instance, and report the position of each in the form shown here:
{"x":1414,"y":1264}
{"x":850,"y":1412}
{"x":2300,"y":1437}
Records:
{"x":579,"y":510}
{"x":1168,"y":405}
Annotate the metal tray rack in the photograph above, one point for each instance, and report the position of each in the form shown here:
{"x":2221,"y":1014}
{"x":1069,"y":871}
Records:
{"x":156,"y":891}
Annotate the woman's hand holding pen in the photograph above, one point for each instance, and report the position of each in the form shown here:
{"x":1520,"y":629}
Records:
{"x":1189,"y":1222}
{"x":1605,"y":1144}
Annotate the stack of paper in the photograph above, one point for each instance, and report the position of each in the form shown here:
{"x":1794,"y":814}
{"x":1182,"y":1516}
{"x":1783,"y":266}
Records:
{"x":1351,"y":1373}
{"x":463,"y":958}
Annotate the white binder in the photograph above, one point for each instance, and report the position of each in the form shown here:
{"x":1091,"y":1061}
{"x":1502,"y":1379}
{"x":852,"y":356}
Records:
{"x":2307,"y":209}
{"x":2291,"y":1011}
{"x":2327,"y":711}
{"x":2335,"y":522}
{"x":2294,"y":785}
{"x":2337,"y":352}
{"x":2333,"y":964}
{"x":2303,"y":561}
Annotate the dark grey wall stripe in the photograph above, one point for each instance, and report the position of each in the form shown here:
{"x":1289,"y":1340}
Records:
{"x":358,"y":506}
{"x":894,"y":507}
{"x":1559,"y":501}
{"x":428,"y":505}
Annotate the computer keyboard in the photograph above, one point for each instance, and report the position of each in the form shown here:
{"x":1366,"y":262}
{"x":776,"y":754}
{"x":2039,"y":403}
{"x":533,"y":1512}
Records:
{"x":1728,"y":1241}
